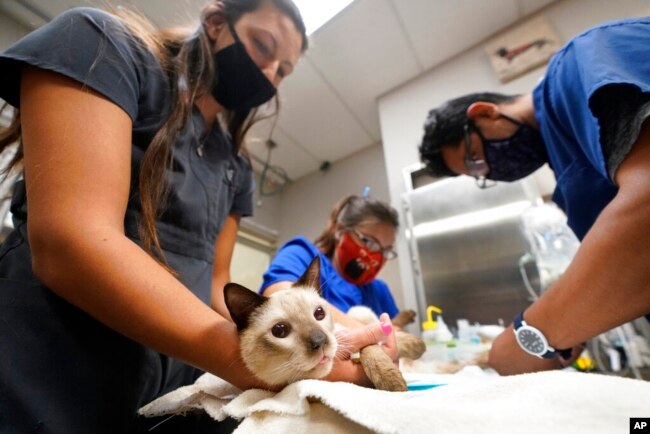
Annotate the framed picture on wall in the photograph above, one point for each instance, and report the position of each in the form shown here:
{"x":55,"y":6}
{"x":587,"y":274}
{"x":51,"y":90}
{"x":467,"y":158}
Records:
{"x":522,"y":48}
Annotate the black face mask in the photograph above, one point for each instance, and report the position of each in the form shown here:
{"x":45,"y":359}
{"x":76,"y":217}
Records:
{"x":240,"y":84}
{"x":514,"y":157}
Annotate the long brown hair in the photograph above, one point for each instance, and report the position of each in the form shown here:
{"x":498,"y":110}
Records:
{"x":187,"y":59}
{"x":353,"y":211}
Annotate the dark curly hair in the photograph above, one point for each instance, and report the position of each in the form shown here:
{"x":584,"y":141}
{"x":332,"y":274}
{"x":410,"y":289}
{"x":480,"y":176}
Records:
{"x":444,"y":127}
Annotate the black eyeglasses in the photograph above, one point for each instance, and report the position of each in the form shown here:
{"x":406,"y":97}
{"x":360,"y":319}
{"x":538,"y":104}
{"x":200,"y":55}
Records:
{"x":373,"y":245}
{"x":475,"y":167}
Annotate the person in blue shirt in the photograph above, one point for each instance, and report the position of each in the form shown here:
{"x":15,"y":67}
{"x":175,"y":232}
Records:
{"x":355,"y":245}
{"x":587,"y":119}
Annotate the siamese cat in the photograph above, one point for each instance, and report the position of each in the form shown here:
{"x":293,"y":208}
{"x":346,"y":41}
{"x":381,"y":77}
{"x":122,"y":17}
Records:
{"x":289,"y":336}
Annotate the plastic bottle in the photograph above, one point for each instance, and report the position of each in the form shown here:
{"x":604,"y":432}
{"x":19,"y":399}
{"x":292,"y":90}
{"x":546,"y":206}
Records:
{"x":429,"y":326}
{"x":436,"y":336}
{"x":442,"y":331}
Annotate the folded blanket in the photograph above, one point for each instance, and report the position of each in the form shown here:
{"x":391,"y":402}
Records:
{"x":555,"y":401}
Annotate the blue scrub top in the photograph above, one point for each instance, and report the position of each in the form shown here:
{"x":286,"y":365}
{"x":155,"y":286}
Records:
{"x":292,"y":260}
{"x":613,"y":53}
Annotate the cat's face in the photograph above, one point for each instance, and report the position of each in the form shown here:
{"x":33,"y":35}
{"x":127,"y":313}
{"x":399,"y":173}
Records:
{"x":288,"y":336}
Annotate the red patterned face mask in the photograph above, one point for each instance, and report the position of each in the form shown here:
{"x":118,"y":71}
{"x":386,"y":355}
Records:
{"x":358,"y":264}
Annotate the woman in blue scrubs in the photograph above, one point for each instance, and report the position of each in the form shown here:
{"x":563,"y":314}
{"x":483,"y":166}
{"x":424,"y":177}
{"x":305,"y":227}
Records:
{"x":353,"y":248}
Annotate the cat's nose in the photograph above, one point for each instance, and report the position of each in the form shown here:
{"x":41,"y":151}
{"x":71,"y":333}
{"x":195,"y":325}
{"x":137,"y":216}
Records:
{"x":317,"y":339}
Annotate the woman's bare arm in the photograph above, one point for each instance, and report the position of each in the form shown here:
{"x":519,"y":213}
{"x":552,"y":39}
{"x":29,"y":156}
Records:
{"x":224,"y":248}
{"x":77,"y":147}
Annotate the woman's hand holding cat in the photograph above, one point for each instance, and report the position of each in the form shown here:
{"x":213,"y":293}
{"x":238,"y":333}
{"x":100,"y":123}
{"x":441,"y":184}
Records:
{"x":353,"y":339}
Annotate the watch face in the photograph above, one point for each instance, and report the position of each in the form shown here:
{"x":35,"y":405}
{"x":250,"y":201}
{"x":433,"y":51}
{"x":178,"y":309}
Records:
{"x":531,"y":340}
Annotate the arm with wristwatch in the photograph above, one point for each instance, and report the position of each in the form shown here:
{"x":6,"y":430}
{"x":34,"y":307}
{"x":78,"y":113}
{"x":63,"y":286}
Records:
{"x":605,"y":286}
{"x":533,"y":341}
{"x":523,"y":347}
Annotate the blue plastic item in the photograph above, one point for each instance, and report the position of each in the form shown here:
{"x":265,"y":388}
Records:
{"x":423,"y":385}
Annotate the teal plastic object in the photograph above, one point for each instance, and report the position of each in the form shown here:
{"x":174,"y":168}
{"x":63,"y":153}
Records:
{"x":423,"y":385}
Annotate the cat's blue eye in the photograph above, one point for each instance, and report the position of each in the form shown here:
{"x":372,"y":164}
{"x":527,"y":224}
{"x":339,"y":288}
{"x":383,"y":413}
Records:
{"x":280,"y":330}
{"x":319,"y":313}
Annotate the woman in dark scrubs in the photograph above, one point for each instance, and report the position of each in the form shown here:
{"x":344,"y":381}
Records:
{"x":134,"y":184}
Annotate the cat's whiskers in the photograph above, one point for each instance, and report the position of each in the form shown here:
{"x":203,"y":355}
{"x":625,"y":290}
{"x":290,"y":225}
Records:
{"x":343,"y":354}
{"x":289,"y":372}
{"x":322,"y":285}
{"x":288,"y":366}
{"x":343,"y":349}
{"x":284,"y":366}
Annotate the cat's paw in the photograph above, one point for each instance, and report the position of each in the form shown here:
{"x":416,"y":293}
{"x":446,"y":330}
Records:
{"x":481,"y":360}
{"x":381,"y":370}
{"x":410,"y":346}
{"x":404,"y":318}
{"x":392,"y":381}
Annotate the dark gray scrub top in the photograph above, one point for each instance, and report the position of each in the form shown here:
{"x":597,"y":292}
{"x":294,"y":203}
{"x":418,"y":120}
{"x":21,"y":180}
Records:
{"x":61,"y":370}
{"x":207,"y":181}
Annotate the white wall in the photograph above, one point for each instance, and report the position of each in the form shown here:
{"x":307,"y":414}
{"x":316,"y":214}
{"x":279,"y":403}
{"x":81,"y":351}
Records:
{"x":266,"y":211}
{"x":306,"y":203}
{"x":402,"y":111}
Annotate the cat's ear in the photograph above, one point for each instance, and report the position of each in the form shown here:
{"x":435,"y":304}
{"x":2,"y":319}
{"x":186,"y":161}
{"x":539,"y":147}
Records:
{"x":241,"y":302}
{"x":311,"y":277}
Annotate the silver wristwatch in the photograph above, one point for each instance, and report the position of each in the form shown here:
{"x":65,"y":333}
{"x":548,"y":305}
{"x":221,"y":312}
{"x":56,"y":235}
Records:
{"x":533,"y":341}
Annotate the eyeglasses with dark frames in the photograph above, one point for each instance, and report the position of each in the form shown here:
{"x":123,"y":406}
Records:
{"x":373,"y":245}
{"x":476,"y":167}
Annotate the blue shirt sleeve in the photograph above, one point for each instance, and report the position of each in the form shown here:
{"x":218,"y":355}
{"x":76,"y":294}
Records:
{"x":290,"y":262}
{"x":603,"y":55}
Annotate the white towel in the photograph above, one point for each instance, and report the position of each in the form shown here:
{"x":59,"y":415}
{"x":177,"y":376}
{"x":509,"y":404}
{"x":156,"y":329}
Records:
{"x":556,"y":401}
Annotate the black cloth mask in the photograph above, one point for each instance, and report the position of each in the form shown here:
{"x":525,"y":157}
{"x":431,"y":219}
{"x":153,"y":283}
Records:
{"x":514,"y":157}
{"x":240,"y":83}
